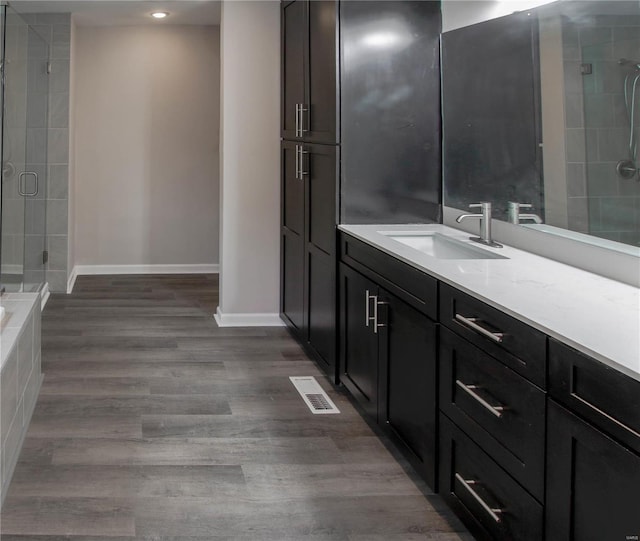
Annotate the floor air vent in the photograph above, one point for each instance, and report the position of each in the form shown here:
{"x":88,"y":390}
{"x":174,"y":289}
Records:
{"x":313,"y":395}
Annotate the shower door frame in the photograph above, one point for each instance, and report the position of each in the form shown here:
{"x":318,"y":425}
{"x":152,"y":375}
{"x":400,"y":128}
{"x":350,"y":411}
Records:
{"x":32,"y":70}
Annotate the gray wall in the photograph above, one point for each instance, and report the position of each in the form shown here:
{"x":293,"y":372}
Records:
{"x":146,"y":147}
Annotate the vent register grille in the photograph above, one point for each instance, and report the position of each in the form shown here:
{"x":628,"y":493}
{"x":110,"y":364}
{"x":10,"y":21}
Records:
{"x":313,"y":395}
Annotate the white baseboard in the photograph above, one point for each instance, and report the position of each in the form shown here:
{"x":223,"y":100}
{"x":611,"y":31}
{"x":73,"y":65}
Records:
{"x":71,"y":282}
{"x":247,"y":320}
{"x":44,"y":295}
{"x":85,"y":270}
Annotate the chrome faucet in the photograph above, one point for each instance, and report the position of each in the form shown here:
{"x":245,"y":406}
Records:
{"x":485,"y":224}
{"x":515,"y":216}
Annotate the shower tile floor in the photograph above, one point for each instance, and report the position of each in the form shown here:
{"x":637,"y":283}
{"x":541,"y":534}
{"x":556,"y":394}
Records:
{"x":155,"y":424}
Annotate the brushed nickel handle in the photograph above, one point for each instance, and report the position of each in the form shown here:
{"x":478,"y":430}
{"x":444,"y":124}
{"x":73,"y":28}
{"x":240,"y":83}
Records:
{"x":303,"y":153}
{"x":470,"y":322}
{"x":375,"y":315}
{"x":298,"y":133}
{"x":21,"y":178}
{"x":470,"y":390}
{"x":297,"y":162}
{"x":367,"y":316}
{"x":598,"y":410}
{"x":303,"y":110}
{"x":492,"y":511}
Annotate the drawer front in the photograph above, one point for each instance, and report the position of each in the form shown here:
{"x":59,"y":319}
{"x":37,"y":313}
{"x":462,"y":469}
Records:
{"x":499,"y":409}
{"x":411,"y":285}
{"x":482,"y":493}
{"x":601,"y":394}
{"x":516,"y":344}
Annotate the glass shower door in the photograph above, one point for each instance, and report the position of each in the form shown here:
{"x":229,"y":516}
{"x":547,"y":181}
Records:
{"x":24,"y":155}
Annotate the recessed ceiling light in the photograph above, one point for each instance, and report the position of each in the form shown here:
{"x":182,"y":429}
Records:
{"x":160,"y":14}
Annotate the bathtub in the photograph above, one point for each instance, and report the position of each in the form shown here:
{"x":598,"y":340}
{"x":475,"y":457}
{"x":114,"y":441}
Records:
{"x":20,"y":375}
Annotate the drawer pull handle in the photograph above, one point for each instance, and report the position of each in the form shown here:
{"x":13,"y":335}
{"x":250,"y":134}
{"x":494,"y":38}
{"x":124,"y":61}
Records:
{"x":471,"y":323}
{"x":377,"y":325}
{"x":367,"y":301}
{"x":493,"y":512}
{"x":604,"y":414}
{"x":470,"y":390}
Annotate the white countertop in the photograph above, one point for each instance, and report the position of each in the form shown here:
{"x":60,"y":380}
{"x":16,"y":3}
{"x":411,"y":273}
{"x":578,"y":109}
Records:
{"x":593,"y":314}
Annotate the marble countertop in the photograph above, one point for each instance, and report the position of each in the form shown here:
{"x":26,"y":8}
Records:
{"x":593,"y":314}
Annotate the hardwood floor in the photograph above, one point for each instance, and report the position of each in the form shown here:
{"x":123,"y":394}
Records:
{"x":155,"y":424}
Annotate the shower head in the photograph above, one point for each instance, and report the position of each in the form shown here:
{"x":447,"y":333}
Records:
{"x":626,"y":63}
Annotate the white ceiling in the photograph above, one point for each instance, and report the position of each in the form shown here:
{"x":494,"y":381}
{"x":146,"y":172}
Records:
{"x":127,"y":12}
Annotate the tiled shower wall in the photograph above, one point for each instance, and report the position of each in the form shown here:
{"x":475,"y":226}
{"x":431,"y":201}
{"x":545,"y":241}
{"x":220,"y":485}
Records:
{"x":56,"y":28}
{"x":597,"y":126}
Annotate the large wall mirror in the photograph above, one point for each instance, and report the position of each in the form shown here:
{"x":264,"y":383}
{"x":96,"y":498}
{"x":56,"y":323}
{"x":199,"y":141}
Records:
{"x":542,"y":108}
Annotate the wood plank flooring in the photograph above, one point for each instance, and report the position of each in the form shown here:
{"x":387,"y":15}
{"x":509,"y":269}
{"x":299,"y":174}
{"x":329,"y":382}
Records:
{"x":155,"y":424}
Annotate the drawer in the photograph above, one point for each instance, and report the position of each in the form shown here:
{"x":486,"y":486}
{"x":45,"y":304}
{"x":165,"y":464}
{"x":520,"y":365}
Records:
{"x":604,"y":396}
{"x":487,"y":499}
{"x":513,"y":342}
{"x":411,"y":285}
{"x":501,"y":411}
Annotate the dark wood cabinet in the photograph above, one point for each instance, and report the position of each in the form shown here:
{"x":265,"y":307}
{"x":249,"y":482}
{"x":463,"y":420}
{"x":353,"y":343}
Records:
{"x":294,"y":34}
{"x":592,"y":482}
{"x":408,"y":374}
{"x":309,"y":66}
{"x":604,"y":396}
{"x":593,"y":449}
{"x":308,"y":273}
{"x":292,"y":248}
{"x":465,"y":400}
{"x":488,"y":500}
{"x":514,"y":343}
{"x":493,"y":410}
{"x":388,"y":362}
{"x":359,"y":365}
{"x":502,"y":411}
{"x":310,"y":176}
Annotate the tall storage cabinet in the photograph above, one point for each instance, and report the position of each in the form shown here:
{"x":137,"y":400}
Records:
{"x":310,"y":160}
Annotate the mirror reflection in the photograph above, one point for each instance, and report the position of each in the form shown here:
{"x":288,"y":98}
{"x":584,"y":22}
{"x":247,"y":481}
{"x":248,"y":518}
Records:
{"x":541,"y":116}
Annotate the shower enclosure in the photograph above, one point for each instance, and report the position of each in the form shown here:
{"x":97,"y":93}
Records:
{"x":24,"y":65}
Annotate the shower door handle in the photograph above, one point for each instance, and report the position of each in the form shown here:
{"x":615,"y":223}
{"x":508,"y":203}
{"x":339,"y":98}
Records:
{"x":21,"y":184}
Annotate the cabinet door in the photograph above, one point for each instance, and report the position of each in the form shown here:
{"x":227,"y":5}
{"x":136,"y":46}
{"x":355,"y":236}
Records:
{"x":407,"y":343}
{"x":359,"y":344}
{"x":319,"y":164}
{"x":319,"y":171}
{"x":320,"y":119}
{"x":592,"y":482}
{"x":322,"y":307}
{"x":294,"y":32}
{"x":293,"y":226}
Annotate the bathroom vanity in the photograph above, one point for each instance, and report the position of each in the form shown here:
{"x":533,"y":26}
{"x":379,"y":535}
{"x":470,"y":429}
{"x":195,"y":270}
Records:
{"x":511,"y":387}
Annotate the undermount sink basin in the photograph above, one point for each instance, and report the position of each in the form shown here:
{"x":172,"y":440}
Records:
{"x":441,"y":246}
